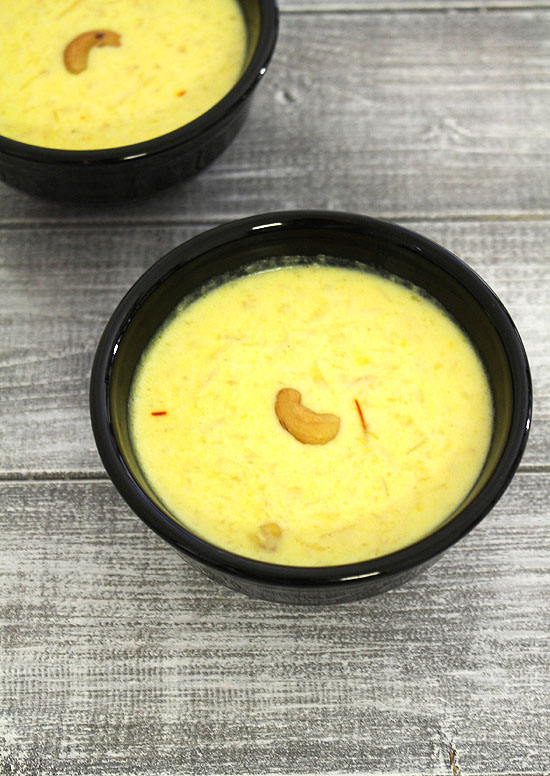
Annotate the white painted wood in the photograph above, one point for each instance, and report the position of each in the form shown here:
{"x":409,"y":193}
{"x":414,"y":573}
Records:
{"x":117,"y":658}
{"x":403,"y":114}
{"x":58,"y":287}
{"x":444,"y":6}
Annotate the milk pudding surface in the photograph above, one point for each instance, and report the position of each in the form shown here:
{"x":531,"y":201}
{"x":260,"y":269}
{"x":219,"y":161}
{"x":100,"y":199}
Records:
{"x":311,"y":415}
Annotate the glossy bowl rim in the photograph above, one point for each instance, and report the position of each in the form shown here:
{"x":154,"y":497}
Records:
{"x":305,"y":576}
{"x":248,"y":80}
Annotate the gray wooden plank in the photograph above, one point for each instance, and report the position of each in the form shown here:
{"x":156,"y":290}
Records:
{"x":118,"y":658}
{"x":404,"y":114}
{"x":345,"y":6}
{"x":58,"y":287}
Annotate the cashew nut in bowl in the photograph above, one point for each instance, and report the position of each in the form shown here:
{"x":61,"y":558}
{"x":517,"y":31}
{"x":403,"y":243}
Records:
{"x":76,"y":52}
{"x":269,"y":536}
{"x":305,"y":425}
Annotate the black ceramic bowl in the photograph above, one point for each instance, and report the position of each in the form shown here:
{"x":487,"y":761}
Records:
{"x":376,"y":244}
{"x":138,"y":170}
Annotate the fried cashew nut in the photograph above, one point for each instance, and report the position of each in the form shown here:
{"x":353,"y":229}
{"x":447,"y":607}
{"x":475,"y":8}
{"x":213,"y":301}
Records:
{"x":305,"y":425}
{"x":76,"y":52}
{"x":269,"y":536}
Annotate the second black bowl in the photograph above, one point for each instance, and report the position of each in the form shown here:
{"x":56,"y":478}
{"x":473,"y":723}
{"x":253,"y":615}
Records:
{"x":138,"y":170}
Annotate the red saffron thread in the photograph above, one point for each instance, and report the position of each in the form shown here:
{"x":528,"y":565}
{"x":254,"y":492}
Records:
{"x":160,"y":412}
{"x":361,"y":418}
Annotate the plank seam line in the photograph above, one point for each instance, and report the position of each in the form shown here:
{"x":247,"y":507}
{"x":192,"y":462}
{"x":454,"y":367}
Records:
{"x":405,"y":9}
{"x":57,"y":477}
{"x":199,"y":224}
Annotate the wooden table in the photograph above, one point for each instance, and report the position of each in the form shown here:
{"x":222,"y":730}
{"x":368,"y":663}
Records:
{"x":116,"y":657}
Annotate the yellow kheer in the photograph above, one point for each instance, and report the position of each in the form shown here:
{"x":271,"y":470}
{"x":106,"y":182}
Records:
{"x":90,"y":74}
{"x":311,"y":415}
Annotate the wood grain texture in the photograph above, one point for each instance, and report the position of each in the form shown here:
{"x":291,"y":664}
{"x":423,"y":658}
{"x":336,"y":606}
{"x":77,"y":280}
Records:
{"x":118,"y":658}
{"x":401,"y":114}
{"x":374,"y":6}
{"x":59,"y":286}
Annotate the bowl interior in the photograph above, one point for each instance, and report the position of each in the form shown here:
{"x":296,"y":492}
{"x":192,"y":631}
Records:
{"x":253,"y":18}
{"x":384,"y":248}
